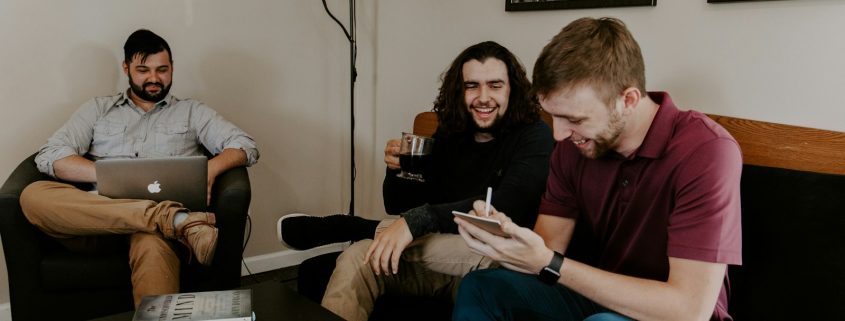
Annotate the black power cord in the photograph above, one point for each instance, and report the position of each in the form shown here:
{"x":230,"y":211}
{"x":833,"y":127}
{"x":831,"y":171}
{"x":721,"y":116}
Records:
{"x":353,"y":74}
{"x":243,"y":249}
{"x":351,"y":36}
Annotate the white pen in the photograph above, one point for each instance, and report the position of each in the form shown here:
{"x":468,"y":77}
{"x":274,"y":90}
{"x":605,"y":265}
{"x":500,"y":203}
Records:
{"x":487,"y":202}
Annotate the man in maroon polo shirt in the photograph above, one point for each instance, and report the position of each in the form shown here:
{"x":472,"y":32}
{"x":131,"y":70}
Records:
{"x":641,"y":213}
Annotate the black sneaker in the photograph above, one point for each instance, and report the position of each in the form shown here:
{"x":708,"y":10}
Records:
{"x":303,"y":231}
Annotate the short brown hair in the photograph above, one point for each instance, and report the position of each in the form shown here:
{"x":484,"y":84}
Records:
{"x":588,"y":51}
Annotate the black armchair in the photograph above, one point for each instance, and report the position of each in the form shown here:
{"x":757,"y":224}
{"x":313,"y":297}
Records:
{"x":48,"y":282}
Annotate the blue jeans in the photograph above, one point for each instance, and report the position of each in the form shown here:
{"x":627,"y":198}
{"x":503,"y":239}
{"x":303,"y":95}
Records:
{"x":500,"y":294}
{"x":608,"y":316}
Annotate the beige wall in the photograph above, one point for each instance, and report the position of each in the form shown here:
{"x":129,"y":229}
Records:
{"x":778,"y":61}
{"x":279,"y":70}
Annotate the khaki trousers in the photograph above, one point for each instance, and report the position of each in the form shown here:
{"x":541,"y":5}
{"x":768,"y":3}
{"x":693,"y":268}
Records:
{"x":431,"y":265}
{"x":76,"y":218}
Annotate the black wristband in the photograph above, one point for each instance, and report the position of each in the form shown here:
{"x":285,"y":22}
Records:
{"x":421,"y":220}
{"x":551,"y":273}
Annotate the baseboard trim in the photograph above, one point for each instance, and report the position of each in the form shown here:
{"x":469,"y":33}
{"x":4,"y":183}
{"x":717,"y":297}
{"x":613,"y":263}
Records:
{"x":5,"y":312}
{"x":285,"y":258}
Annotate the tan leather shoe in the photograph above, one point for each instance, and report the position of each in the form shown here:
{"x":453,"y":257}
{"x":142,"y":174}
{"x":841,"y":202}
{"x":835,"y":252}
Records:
{"x":200,"y":235}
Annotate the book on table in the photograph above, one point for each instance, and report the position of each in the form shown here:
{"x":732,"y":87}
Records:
{"x":230,"y":305}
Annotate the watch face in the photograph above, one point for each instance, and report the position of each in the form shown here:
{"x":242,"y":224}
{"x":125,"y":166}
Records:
{"x":549,"y":275}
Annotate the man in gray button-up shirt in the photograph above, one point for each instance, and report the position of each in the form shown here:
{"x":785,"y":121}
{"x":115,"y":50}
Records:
{"x":143,"y":121}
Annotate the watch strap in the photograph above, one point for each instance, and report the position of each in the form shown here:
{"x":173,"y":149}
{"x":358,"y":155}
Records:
{"x":551,"y":273}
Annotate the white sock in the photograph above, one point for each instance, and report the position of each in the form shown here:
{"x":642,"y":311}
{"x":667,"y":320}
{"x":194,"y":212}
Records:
{"x":179,"y":218}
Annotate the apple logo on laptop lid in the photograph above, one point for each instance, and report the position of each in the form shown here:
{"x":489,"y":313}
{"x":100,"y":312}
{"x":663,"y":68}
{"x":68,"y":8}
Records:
{"x":155,"y":187}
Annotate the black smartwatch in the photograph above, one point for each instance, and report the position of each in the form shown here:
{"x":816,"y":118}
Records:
{"x":551,"y":273}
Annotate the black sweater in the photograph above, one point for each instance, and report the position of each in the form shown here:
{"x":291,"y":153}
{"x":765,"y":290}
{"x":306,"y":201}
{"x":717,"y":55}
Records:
{"x":514,"y":165}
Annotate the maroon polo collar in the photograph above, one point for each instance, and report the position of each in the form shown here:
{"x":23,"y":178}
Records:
{"x":662,"y":126}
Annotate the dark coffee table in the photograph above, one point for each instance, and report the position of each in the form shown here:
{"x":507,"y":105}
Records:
{"x":271,"y":301}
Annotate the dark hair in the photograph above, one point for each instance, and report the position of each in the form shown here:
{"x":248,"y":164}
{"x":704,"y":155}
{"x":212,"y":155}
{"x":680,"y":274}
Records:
{"x":588,"y":51}
{"x":144,"y":43}
{"x":452,"y":114}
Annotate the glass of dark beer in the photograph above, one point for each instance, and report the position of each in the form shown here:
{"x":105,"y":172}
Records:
{"x":414,"y":156}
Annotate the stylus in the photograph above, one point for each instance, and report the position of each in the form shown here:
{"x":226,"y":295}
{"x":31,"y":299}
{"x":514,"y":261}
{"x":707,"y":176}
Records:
{"x":487,"y":202}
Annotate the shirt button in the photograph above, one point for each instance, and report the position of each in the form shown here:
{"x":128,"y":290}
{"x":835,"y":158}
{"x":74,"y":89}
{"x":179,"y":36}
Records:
{"x":625,"y":182}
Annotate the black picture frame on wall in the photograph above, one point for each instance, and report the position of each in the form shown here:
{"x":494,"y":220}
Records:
{"x":720,"y":1}
{"x":526,"y":5}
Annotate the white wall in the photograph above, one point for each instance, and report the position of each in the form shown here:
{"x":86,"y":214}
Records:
{"x":279,"y":70}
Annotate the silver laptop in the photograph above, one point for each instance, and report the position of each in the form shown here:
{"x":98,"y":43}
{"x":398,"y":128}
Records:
{"x":178,"y":179}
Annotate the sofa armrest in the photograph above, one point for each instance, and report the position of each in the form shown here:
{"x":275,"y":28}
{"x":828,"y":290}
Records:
{"x":23,"y":175}
{"x":230,"y":197}
{"x":232,"y":185}
{"x":22,"y":242}
{"x":20,"y":238}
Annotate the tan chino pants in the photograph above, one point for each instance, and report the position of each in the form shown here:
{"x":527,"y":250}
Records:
{"x":74,"y":217}
{"x":431,"y":265}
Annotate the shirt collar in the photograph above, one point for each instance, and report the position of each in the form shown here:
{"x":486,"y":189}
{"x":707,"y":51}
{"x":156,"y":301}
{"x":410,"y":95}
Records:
{"x":120,"y":99}
{"x":167,"y":101}
{"x":662,"y":126}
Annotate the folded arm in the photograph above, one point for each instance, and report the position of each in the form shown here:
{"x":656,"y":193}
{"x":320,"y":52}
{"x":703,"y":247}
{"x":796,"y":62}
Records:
{"x":219,"y":135}
{"x":75,"y":168}
{"x":61,"y":157}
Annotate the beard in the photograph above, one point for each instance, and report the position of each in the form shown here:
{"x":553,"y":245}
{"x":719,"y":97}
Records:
{"x":492,"y":129}
{"x":607,"y":139}
{"x":142,"y":93}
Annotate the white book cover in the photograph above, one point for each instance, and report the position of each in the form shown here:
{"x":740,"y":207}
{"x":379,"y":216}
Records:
{"x":231,"y":305}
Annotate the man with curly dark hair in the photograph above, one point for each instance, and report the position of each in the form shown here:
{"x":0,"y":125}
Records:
{"x":490,"y":135}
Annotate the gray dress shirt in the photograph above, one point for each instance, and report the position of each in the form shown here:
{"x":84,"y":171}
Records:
{"x":113,"y":126}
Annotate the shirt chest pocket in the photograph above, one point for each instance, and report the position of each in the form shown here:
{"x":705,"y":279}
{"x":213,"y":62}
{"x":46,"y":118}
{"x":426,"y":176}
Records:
{"x":174,"y":138}
{"x":108,"y":138}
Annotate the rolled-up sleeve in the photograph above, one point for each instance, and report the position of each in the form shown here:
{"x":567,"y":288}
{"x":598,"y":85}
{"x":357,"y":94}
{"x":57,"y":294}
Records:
{"x":217,"y":133}
{"x":73,"y":138}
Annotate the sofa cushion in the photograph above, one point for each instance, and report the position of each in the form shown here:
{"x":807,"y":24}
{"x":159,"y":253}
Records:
{"x":793,"y":246}
{"x":313,"y":275}
{"x":96,"y":262}
{"x":65,"y":270}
